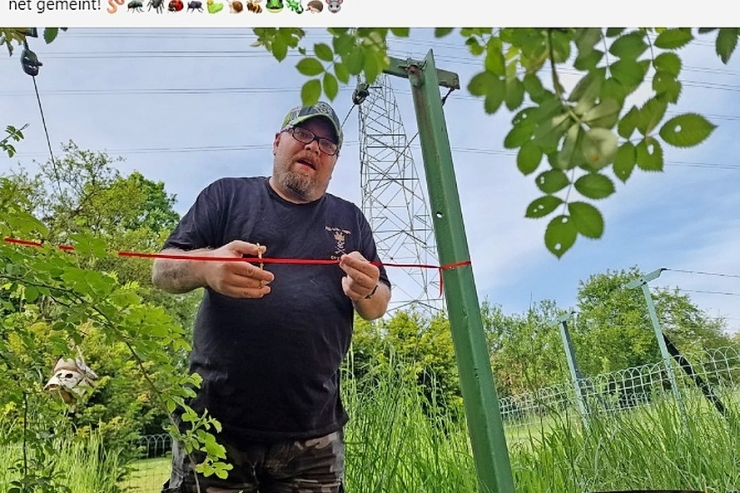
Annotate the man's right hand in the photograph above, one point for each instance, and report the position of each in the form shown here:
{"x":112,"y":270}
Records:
{"x":237,"y":279}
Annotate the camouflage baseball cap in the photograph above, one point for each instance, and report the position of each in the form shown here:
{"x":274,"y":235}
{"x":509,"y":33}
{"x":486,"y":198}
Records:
{"x":302,"y":113}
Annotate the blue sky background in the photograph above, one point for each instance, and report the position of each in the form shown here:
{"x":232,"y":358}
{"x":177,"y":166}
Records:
{"x":187,"y":106}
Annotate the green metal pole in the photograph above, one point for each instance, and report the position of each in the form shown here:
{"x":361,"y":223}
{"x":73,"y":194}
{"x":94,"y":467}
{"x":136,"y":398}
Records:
{"x":575,"y":373}
{"x":642,"y":282}
{"x":479,"y":392}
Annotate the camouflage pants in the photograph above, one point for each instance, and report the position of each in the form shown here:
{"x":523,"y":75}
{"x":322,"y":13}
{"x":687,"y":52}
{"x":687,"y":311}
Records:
{"x":306,"y":466}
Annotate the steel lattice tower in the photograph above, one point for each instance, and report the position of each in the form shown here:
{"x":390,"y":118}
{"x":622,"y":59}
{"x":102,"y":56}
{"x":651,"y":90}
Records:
{"x":394,"y":202}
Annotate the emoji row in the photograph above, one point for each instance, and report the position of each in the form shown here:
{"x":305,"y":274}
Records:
{"x":235,"y":6}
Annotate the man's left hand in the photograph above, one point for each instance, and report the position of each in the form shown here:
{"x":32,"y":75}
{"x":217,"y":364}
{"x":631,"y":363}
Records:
{"x":362,"y":276}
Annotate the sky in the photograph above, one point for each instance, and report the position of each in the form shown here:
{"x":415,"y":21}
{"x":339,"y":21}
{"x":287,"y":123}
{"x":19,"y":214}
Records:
{"x":188,"y":106}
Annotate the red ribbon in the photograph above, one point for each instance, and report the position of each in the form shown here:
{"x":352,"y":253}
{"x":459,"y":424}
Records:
{"x":252,"y":260}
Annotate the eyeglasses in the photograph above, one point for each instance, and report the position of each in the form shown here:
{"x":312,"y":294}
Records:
{"x":306,"y":137}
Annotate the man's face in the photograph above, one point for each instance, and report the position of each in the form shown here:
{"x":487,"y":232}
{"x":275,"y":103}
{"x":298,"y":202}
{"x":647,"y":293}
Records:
{"x":301,"y":172}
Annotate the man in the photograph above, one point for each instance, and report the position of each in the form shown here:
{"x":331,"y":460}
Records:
{"x":268,"y":342}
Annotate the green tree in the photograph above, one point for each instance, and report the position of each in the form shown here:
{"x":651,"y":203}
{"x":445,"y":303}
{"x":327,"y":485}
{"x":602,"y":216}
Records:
{"x":421,"y":346}
{"x":614,"y":331}
{"x":526,"y":351}
{"x":83,"y":192}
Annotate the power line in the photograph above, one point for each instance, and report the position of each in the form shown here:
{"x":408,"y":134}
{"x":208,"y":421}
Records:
{"x":718,"y":274}
{"x":470,"y":150}
{"x":709,"y":292}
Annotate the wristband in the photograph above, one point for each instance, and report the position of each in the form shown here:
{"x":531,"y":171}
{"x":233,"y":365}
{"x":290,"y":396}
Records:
{"x":372,"y":292}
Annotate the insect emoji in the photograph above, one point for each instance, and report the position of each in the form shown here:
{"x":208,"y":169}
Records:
{"x":254,"y":6}
{"x":274,"y":6}
{"x":334,"y":5}
{"x":195,"y":5}
{"x":158,"y":5}
{"x":315,"y":6}
{"x":236,"y":6}
{"x":136,"y":6}
{"x":295,"y":6}
{"x":175,"y":6}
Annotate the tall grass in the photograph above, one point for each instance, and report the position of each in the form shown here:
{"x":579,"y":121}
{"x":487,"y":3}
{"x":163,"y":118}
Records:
{"x":84,"y":465}
{"x":402,"y":441}
{"x":393,"y":445}
{"x":399,"y":442}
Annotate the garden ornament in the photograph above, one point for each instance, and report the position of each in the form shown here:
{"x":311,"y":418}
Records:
{"x":71,"y":379}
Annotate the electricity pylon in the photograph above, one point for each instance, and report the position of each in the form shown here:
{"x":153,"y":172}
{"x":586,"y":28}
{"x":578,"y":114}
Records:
{"x":394,"y":202}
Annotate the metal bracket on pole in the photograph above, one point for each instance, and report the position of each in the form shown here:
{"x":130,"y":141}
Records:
{"x":642,"y":282}
{"x":575,"y":373}
{"x":471,"y":349}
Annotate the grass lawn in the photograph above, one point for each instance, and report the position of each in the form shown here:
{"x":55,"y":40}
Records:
{"x":148,"y":475}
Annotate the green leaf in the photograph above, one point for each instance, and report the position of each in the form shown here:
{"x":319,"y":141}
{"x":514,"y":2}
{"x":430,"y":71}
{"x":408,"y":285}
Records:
{"x":331,"y":88}
{"x":594,"y":186}
{"x":668,"y":62}
{"x":519,"y":134}
{"x":588,"y":61}
{"x":603,"y":115}
{"x":570,"y":155}
{"x":340,"y":70}
{"x":726,"y":43}
{"x":528,"y":158}
{"x":514,"y":93}
{"x":552,"y":181}
{"x":543,"y":206}
{"x":651,"y":113}
{"x":649,"y":155}
{"x":586,"y":219}
{"x":533,"y":86}
{"x":666,"y":85}
{"x":400,"y":32}
{"x":494,"y":99}
{"x":343,"y":44}
{"x":548,"y":134}
{"x":279,"y":48}
{"x":672,"y":39}
{"x":614,"y":31}
{"x":495,"y":62}
{"x":323,"y":52}
{"x":630,"y":45}
{"x":587,"y":89}
{"x":476,"y":49}
{"x":372,"y":66}
{"x":686,"y":130}
{"x":441,"y":32}
{"x":355,"y":60}
{"x":628,"y":72}
{"x":481,"y":83}
{"x":599,"y":146}
{"x":624,"y":161}
{"x":310,"y":67}
{"x":560,"y":45}
{"x":613,"y":89}
{"x":560,"y":235}
{"x":628,"y":123}
{"x":310,"y":92}
{"x":50,"y":34}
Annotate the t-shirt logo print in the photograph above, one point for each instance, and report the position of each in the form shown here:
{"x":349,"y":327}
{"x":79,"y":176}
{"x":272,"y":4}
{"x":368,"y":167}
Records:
{"x":340,"y":236}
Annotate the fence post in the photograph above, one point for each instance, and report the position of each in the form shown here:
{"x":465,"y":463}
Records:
{"x":642,"y":282}
{"x":575,"y":373}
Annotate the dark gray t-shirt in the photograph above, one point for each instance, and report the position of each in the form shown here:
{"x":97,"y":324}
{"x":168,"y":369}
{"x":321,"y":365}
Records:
{"x":270,"y":366}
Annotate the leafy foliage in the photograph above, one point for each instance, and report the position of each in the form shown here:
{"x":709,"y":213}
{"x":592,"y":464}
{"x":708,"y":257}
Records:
{"x":583,"y":131}
{"x":57,"y":302}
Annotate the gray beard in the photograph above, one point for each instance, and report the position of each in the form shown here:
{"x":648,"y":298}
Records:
{"x":300,"y":186}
